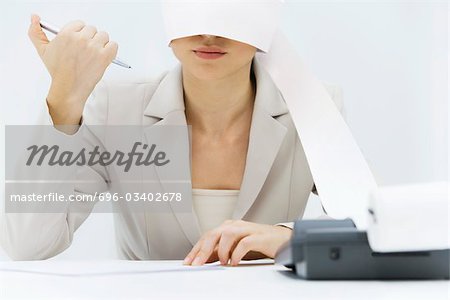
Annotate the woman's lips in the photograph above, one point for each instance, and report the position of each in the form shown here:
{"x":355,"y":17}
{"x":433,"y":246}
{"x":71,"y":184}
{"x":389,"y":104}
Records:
{"x":209,"y":52}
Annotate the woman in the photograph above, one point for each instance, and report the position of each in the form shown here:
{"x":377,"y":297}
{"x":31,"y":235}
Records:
{"x":246,"y":155}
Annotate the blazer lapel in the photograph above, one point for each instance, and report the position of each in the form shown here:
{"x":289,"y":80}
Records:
{"x":167,"y":107}
{"x":266,"y":137}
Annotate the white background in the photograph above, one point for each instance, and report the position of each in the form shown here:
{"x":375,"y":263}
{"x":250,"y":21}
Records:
{"x":389,"y":57}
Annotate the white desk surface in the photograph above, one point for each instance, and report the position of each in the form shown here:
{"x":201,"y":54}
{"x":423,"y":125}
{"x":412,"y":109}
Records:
{"x":170,"y":280}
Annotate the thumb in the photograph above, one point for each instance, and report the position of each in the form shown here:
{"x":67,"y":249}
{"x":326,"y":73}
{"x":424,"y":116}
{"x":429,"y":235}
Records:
{"x":37,"y":36}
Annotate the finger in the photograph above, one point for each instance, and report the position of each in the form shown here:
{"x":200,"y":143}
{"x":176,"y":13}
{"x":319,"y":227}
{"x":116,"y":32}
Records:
{"x":72,"y":26}
{"x":37,"y":35}
{"x":191,"y":255}
{"x":88,"y":32}
{"x":101,"y":38}
{"x":209,"y":243}
{"x":245,"y":245}
{"x":231,"y":235}
{"x":214,"y":257}
{"x":111,"y":48}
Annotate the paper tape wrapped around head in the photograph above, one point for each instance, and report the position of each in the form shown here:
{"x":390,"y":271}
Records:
{"x":341,"y":175}
{"x":253,"y":22}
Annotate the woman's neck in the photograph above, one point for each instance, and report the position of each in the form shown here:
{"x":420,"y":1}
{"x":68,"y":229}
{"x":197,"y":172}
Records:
{"x":218,"y":106}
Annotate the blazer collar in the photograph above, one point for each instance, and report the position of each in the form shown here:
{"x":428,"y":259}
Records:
{"x":169,"y":95}
{"x":266,"y":137}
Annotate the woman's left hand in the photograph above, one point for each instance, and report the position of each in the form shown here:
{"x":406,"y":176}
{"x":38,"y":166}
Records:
{"x":235,"y":240}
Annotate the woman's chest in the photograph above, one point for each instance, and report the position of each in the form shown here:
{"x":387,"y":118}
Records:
{"x":218,"y":163}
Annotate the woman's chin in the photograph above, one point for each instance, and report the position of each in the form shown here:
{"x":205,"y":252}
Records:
{"x":208,"y":73}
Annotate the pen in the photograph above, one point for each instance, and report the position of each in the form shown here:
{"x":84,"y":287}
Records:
{"x":53,"y":29}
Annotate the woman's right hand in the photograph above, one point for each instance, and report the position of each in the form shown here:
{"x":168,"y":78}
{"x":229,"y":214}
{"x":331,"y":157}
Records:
{"x":76,"y":60}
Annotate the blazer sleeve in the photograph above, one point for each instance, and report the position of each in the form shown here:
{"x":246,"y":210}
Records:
{"x":33,"y":236}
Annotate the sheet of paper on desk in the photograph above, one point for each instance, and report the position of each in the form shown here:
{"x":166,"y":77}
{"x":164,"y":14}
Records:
{"x":102,"y":268}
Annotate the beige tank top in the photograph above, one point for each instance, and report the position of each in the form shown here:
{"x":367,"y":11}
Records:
{"x":213,"y":207}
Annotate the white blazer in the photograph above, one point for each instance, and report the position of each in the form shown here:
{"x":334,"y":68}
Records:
{"x":276,"y":182}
